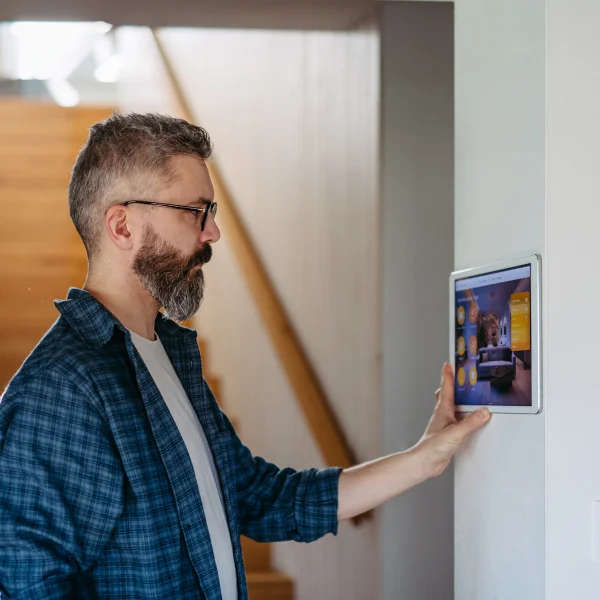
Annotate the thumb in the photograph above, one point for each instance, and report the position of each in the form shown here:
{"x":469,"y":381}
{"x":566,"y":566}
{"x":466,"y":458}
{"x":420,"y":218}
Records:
{"x":472,"y":423}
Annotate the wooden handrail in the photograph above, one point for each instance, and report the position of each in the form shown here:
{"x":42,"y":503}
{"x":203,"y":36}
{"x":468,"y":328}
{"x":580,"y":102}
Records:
{"x":301,"y":375}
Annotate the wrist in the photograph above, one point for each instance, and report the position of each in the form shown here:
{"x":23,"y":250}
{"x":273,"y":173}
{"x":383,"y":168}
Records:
{"x":424,"y":461}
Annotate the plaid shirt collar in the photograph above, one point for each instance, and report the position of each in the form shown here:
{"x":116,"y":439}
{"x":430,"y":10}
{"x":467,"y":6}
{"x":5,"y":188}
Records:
{"x":95,"y":324}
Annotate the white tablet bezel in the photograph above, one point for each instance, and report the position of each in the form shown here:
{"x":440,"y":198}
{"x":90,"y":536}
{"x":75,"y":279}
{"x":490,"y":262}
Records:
{"x":536,"y":330}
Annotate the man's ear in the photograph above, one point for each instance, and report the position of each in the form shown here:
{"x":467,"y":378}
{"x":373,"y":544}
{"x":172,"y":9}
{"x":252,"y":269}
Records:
{"x":118,"y":226}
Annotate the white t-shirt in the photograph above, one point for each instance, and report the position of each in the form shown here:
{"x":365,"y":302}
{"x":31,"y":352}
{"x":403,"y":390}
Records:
{"x":178,"y":403}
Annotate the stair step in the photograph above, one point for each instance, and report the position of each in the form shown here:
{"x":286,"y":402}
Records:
{"x":270,"y":585}
{"x":257,"y":556}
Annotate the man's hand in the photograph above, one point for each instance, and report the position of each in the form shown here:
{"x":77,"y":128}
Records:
{"x":444,"y":433}
{"x":366,"y":486}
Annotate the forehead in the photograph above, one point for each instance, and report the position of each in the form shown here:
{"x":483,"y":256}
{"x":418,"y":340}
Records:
{"x":191,"y":179}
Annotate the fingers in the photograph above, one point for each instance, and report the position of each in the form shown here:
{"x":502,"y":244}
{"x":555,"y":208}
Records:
{"x":472,"y":423}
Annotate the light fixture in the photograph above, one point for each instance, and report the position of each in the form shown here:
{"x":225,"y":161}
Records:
{"x":108,"y":71}
{"x":62,"y":92}
{"x":52,"y":50}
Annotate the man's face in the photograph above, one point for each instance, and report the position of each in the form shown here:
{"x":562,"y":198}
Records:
{"x":173,"y":248}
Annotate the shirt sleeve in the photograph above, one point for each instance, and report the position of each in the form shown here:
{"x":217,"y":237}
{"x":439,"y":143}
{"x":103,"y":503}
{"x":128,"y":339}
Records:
{"x":282,"y":504}
{"x":61,"y":487}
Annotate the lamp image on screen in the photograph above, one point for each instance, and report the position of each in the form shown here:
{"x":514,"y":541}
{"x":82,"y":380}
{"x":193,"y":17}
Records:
{"x":493,"y":333}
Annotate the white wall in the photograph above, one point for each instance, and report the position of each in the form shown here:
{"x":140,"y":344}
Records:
{"x":573,"y":289}
{"x":294,"y":119}
{"x":416,"y":534}
{"x":500,"y":507}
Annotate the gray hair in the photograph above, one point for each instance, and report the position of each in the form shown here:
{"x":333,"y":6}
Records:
{"x":127,"y":157}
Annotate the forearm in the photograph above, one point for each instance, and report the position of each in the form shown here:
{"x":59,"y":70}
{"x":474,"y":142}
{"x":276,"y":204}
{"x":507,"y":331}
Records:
{"x":366,"y":486}
{"x":282,"y":504}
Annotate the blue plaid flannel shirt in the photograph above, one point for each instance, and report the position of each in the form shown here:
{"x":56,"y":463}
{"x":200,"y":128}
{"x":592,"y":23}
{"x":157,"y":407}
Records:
{"x":98,"y":497}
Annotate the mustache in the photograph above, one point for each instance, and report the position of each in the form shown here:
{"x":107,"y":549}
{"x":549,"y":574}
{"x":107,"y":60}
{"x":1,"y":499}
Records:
{"x":200,"y":258}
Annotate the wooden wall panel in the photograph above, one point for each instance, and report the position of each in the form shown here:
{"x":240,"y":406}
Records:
{"x":41,"y":254}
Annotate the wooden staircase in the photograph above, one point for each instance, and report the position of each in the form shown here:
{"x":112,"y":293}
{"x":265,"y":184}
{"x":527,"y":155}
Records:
{"x":264,"y":583}
{"x":41,"y":254}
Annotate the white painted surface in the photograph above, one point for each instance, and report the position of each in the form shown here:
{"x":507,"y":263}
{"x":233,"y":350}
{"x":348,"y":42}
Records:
{"x":500,"y":500}
{"x":294,"y":118}
{"x":417,"y":240}
{"x":573,"y":289}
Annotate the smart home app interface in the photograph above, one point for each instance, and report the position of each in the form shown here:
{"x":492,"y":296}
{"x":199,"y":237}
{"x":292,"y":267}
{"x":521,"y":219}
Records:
{"x":493,"y":338}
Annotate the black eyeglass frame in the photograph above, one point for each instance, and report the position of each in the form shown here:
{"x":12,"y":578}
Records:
{"x":210,"y":208}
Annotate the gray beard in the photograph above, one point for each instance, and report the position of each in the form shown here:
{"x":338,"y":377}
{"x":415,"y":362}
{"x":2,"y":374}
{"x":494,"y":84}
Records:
{"x":166,"y":274}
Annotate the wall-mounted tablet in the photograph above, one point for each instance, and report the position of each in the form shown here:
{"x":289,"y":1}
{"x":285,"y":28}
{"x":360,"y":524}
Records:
{"x":495,"y":336}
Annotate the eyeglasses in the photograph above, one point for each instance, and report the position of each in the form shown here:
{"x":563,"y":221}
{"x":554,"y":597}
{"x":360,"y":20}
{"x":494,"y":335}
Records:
{"x":210,"y":208}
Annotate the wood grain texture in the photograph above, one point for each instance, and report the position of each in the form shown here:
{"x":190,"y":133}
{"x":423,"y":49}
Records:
{"x":271,"y":585}
{"x":41,"y":254}
{"x":257,"y":556}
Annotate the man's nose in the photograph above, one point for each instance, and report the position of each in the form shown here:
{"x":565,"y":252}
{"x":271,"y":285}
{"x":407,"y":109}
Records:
{"x":211,"y":233}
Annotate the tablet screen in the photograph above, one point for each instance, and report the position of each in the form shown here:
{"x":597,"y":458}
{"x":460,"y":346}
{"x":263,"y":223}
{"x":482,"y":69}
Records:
{"x":493,"y":338}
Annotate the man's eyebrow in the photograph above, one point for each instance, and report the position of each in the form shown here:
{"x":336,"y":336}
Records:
{"x":200,"y":202}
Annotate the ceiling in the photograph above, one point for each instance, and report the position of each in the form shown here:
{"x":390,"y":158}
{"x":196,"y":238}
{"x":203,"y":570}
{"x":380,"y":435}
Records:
{"x":256,"y":14}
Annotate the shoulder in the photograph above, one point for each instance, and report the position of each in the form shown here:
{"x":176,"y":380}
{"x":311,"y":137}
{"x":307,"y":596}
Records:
{"x":55,"y":377}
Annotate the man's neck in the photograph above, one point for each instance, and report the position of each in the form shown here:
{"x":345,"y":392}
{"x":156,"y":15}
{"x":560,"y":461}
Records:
{"x":127,"y":300}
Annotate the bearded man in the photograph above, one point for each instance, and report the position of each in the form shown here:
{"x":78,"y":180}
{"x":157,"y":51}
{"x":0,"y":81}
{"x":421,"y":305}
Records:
{"x":120,"y":477}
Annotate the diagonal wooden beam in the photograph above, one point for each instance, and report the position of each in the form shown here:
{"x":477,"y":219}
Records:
{"x":301,"y":375}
